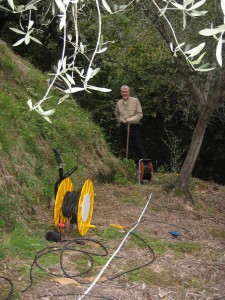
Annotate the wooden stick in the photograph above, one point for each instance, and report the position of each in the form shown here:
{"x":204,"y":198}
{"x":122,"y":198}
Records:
{"x":128,"y":137}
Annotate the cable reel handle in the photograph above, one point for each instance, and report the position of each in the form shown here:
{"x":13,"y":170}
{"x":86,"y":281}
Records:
{"x":59,"y":161}
{"x":57,"y":156}
{"x":70,"y":172}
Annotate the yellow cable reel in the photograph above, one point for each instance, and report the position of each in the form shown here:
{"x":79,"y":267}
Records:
{"x":65,"y":186}
{"x":85,"y":205}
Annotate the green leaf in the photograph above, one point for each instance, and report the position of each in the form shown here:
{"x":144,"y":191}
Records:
{"x":101,"y":42}
{"x":29,"y":103}
{"x":106,"y":6}
{"x":31,"y":23}
{"x":81,"y":48}
{"x":184,"y":20}
{"x":69,"y":37}
{"x":219,"y":50}
{"x":19,"y":42}
{"x":179,"y":46}
{"x":195,"y":51}
{"x":27,"y":38}
{"x":47,"y":119}
{"x":223,"y":6}
{"x":70,"y":78}
{"x":66,"y":81}
{"x":102,"y":50}
{"x":73,"y":90}
{"x":36,"y":40}
{"x":197,"y":61}
{"x":204,"y":68}
{"x":17,"y":30}
{"x":60,"y":5}
{"x":94,"y":72}
{"x":62,"y":22}
{"x":91,"y":73}
{"x":187,"y":2}
{"x":100,"y":89}
{"x":20,"y":8}
{"x":11,"y":3}
{"x":30,"y":7}
{"x":179,"y":6}
{"x":208,"y":32}
{"x":46,"y":113}
{"x":196,"y":13}
{"x":196,"y":5}
{"x":63,"y":98}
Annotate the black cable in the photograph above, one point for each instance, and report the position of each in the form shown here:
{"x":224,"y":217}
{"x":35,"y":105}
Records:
{"x":89,"y":240}
{"x":139,"y":267}
{"x":66,"y":247}
{"x":62,"y":250}
{"x":70,"y":205}
{"x":81,"y":273}
{"x":35,"y":263}
{"x":9,"y":296}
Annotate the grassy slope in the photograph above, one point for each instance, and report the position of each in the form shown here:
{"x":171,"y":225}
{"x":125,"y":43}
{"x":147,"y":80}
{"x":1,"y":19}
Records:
{"x":28,"y":167}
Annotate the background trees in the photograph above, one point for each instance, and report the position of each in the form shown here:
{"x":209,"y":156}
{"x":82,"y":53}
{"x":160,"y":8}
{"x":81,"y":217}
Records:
{"x":206,"y":92}
{"x":172,"y":95}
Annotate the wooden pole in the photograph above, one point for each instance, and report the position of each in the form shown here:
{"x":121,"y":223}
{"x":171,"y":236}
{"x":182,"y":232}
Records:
{"x":128,"y":138}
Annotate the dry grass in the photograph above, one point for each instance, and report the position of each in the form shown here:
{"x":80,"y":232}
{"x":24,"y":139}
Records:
{"x":183,"y":268}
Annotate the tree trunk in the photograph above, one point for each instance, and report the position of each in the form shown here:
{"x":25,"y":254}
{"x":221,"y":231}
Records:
{"x":182,"y":181}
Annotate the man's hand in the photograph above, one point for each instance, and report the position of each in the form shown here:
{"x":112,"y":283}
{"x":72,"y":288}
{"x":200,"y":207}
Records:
{"x":128,"y":120}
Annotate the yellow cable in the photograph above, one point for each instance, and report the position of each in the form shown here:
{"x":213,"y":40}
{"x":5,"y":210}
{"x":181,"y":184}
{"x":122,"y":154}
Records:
{"x":117,"y":226}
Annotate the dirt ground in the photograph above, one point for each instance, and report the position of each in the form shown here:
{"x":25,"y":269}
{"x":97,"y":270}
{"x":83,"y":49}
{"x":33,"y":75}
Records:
{"x":187,"y":264}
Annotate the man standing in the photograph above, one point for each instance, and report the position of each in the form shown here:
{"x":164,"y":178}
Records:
{"x":128,"y":113}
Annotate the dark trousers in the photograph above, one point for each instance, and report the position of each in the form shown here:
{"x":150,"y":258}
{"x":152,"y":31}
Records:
{"x":135,"y":144}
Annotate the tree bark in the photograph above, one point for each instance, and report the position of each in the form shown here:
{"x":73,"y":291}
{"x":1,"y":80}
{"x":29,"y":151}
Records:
{"x":182,"y":181}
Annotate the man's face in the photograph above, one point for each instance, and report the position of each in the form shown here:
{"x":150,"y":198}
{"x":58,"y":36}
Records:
{"x":125,"y":93}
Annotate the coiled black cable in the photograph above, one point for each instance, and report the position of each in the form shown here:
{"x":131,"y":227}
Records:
{"x":62,"y":250}
{"x":105,"y":253}
{"x":70,"y":206}
{"x":10,"y":293}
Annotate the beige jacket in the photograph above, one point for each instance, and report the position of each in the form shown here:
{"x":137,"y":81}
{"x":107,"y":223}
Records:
{"x":129,"y":109}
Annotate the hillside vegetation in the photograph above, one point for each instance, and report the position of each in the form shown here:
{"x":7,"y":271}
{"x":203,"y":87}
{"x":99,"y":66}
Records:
{"x":28,"y":166}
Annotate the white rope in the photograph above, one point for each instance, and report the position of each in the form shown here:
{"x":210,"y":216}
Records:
{"x":115,"y":253}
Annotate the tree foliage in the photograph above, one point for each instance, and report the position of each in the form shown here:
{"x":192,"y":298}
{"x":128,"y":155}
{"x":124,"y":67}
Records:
{"x":36,"y":14}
